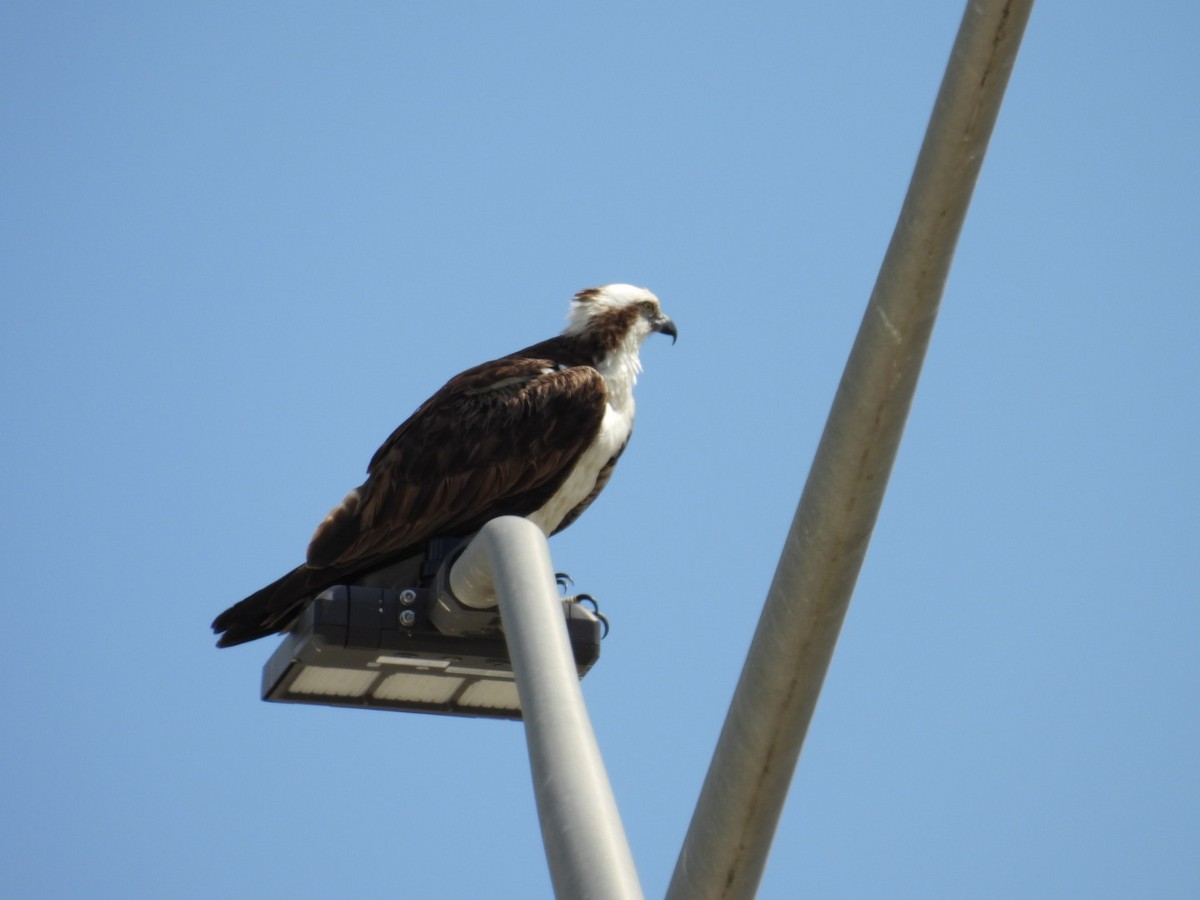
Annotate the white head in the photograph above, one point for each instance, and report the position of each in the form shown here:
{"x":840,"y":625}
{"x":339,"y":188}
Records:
{"x":617,"y":314}
{"x":611,"y":322}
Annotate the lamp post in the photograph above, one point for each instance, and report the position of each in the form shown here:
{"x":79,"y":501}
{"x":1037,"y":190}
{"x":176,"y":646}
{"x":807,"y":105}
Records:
{"x":731,"y":831}
{"x":516,"y":650}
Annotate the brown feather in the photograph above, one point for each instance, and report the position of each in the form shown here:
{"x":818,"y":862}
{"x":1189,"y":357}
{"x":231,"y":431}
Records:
{"x":498,"y":439}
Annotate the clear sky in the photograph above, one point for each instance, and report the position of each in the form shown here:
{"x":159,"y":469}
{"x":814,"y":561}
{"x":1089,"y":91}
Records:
{"x":240,"y":242}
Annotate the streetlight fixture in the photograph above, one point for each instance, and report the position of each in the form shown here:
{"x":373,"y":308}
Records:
{"x":414,"y":649}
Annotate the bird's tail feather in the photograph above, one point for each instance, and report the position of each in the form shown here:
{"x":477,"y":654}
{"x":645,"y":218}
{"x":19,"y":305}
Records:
{"x":270,"y":609}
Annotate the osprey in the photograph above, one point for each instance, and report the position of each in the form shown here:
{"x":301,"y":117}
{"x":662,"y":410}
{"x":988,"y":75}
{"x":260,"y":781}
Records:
{"x":535,"y":434}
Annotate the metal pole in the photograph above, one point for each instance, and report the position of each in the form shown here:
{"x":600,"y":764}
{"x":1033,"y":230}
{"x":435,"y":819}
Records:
{"x":730,"y":836}
{"x":586,"y":846}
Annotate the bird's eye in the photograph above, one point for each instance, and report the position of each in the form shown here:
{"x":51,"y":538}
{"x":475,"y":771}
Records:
{"x":648,"y":306}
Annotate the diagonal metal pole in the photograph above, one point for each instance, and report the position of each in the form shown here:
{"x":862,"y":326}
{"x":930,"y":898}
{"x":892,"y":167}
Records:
{"x":509,"y":562}
{"x":726,"y":846}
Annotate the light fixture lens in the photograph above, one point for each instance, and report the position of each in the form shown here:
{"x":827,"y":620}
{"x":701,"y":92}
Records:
{"x":417,"y":688}
{"x":328,"y":682}
{"x":491,"y":694}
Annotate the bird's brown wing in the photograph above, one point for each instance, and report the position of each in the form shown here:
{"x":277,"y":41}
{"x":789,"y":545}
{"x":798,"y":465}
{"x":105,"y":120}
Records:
{"x":498,"y":439}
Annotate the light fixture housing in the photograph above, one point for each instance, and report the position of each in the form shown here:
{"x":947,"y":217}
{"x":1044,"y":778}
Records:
{"x":377,"y":648}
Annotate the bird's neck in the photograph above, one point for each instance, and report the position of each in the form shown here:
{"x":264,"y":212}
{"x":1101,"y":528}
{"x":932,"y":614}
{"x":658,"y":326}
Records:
{"x":620,"y":367}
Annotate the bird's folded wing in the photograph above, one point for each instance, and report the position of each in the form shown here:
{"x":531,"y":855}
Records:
{"x":498,"y":439}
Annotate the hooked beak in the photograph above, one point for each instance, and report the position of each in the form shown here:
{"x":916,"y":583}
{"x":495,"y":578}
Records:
{"x":663,"y":325}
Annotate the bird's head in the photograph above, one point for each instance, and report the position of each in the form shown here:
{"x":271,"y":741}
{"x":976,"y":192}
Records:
{"x":617,"y":313}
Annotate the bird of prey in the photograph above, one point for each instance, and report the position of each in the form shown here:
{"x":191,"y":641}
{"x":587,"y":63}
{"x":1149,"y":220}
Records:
{"x":534,"y":434}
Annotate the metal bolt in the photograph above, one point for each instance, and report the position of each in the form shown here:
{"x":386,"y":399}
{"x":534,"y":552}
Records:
{"x":408,"y":597}
{"x":408,"y":617}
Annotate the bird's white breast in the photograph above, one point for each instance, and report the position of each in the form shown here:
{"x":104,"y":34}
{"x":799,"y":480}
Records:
{"x":619,"y":370}
{"x":614,"y":432}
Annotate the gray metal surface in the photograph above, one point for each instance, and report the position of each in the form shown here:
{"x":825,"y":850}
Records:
{"x":726,"y":846}
{"x":585,"y":841}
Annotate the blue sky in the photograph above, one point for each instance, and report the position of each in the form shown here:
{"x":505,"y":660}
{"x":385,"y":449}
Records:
{"x":240,"y":242}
